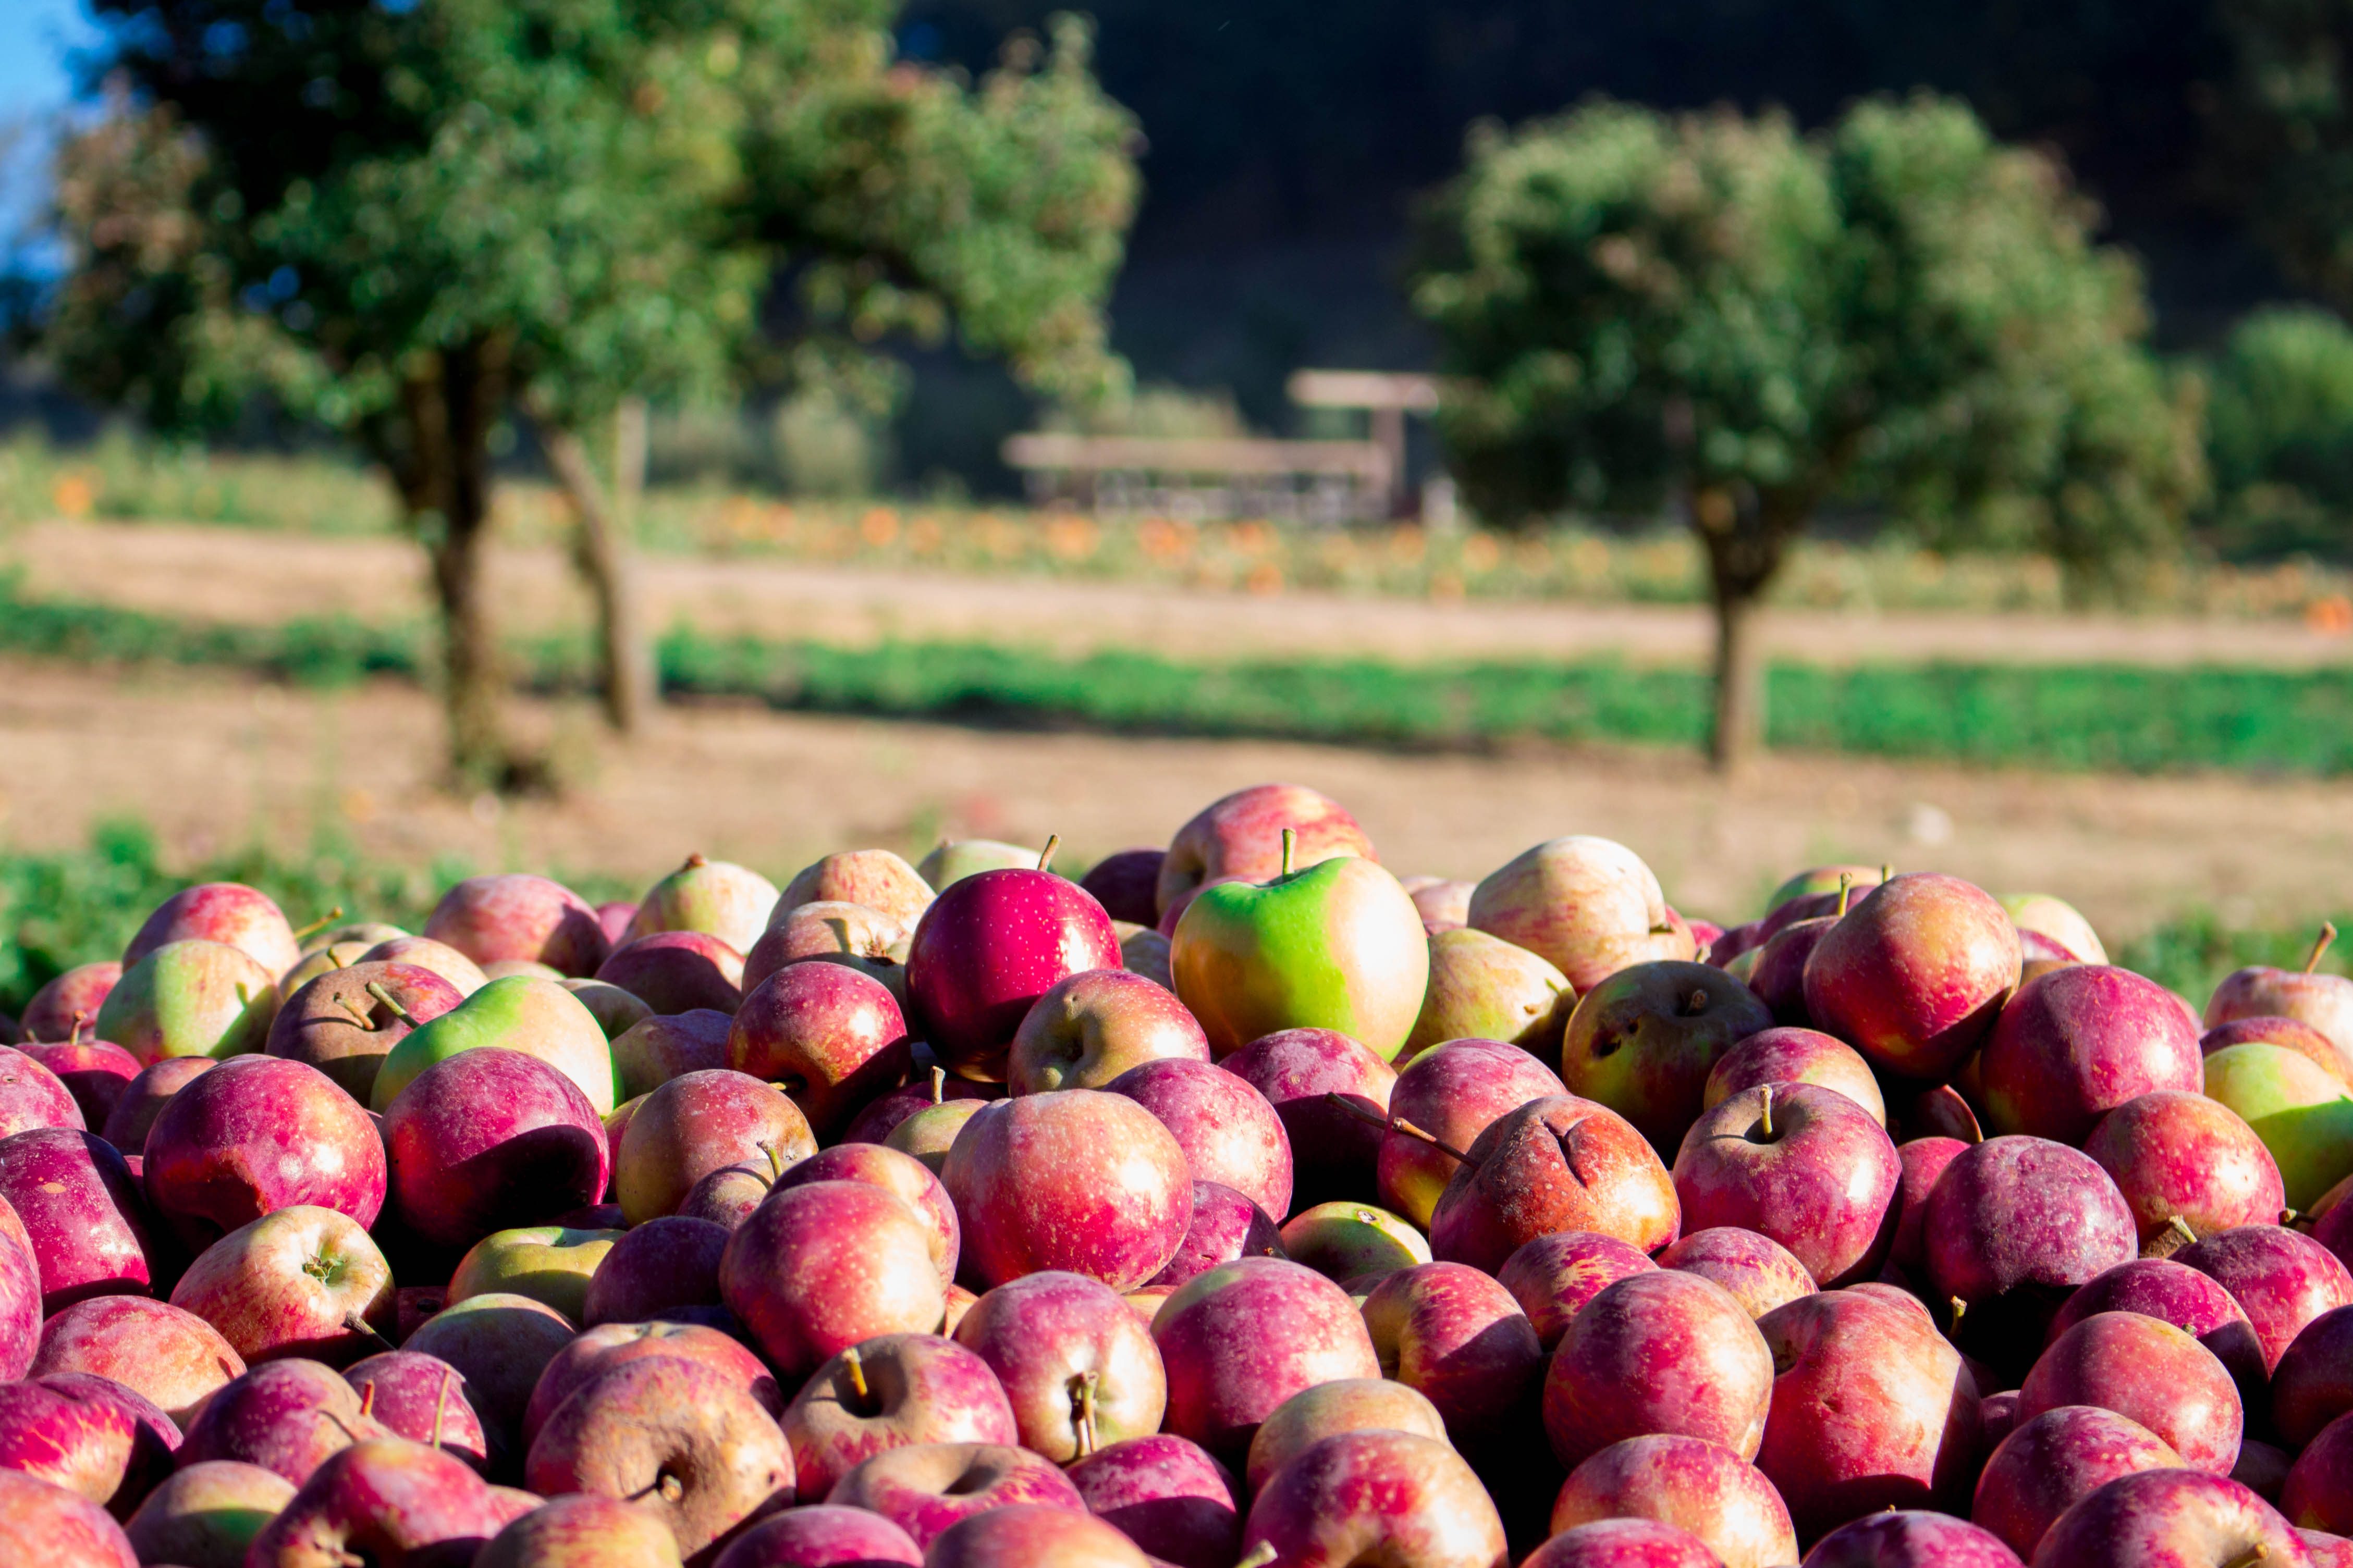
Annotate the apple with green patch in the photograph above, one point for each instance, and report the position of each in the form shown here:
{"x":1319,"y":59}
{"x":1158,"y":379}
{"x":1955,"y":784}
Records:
{"x":538,"y":1017}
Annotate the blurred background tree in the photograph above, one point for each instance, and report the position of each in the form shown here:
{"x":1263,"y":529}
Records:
{"x":408,"y":222}
{"x":1713,"y":314}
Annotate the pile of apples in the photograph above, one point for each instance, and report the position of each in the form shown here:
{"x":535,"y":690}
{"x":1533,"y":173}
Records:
{"x":1237,"y":1205}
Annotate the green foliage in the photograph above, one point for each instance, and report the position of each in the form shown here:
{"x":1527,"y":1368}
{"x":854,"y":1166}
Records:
{"x":2192,"y":952}
{"x":2288,"y":135}
{"x":2280,"y":431}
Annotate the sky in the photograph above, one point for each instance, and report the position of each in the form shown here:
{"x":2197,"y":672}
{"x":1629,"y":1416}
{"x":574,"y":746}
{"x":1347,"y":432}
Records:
{"x":35,"y":85}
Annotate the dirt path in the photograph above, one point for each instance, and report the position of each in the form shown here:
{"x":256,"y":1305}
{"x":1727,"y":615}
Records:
{"x":212,"y":760}
{"x":236,"y":576}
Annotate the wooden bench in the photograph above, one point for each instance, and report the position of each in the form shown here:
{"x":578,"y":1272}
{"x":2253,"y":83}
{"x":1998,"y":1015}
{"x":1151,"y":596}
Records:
{"x":1201,"y":479}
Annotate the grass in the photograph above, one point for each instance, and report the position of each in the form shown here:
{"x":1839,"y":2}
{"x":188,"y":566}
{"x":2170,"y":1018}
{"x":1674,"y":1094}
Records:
{"x":70,"y":907}
{"x":2073,"y":718}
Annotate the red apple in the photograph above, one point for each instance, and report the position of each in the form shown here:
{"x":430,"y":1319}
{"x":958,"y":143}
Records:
{"x":726,"y":1197}
{"x":583,"y":1531}
{"x":2325,"y":1001}
{"x":875,"y":878}
{"x":386,"y":1501}
{"x":659,"y":1048}
{"x":67,"y":1004}
{"x":94,"y":1072}
{"x":677,"y":972}
{"x":2149,"y":1370}
{"x":167,"y":1355}
{"x":1237,"y":1341}
{"x":820,"y":1268}
{"x":2313,"y":1384}
{"x":1227,"y":1131}
{"x":1870,"y":1409}
{"x":929,"y":1487}
{"x":1588,"y":905}
{"x":1078,"y":1367}
{"x":1343,"y":1404}
{"x":1644,"y":1041}
{"x":520,"y":917}
{"x":2076,"y":1042}
{"x":1795,"y":1056}
{"x":1167,"y":1496}
{"x":1760,"y":1272}
{"x":1802,"y":1164}
{"x":894,"y":1173}
{"x":2173,"y":1293}
{"x":1225,"y":1226}
{"x":2171,"y":1519}
{"x":1456,"y":1336}
{"x":893,"y":1391}
{"x":696,"y":1124}
{"x":81,"y":1211}
{"x":284,"y":1416}
{"x":89,"y":1435}
{"x":488,"y":1140}
{"x":2186,"y":1165}
{"x":1912,"y":1539}
{"x":1555,"y":1163}
{"x":142,"y":1100}
{"x":1127,"y":884}
{"x":421,"y":1398}
{"x":1923,"y":1160}
{"x":827,"y":1035}
{"x":1239,"y":838}
{"x":1334,"y":1151}
{"x":987,"y":948}
{"x":1553,"y":1275}
{"x":1091,"y":1026}
{"x":2318,"y":1491}
{"x":20,"y":1297}
{"x":1452,"y":1092}
{"x":1377,"y":1497}
{"x":32,"y":1096}
{"x":1658,"y":1353}
{"x":850,"y":936}
{"x":2294,"y":1034}
{"x":1032,"y":1535}
{"x":227,"y":912}
{"x":1623,"y":1543}
{"x":579,"y":1362}
{"x":2282,"y":1279}
{"x":255,"y":1135}
{"x":821,"y":1536}
{"x":655,"y":1269}
{"x":1698,"y":1486}
{"x":1915,"y":974}
{"x":292,"y":1284}
{"x":2053,"y":1461}
{"x":1076,"y":1179}
{"x":49,"y":1527}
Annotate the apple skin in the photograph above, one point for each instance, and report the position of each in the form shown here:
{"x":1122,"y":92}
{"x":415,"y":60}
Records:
{"x":2170,"y":1518}
{"x":1169,"y":1496}
{"x":168,"y":1356}
{"x":94,"y":1072}
{"x":850,"y":936}
{"x":1698,"y":1486}
{"x":393,"y":1501}
{"x":1377,"y":1497}
{"x":2303,"y":1113}
{"x":1658,"y":1353}
{"x":288,"y":1285}
{"x":876,"y":1122}
{"x":616,"y":1011}
{"x":699,"y":1123}
{"x":830,"y":1037}
{"x":336,"y":1024}
{"x":1915,"y":974}
{"x":931,"y":1131}
{"x":621,"y":1432}
{"x":2318,"y":1491}
{"x":2146,"y":1369}
{"x":81,"y":1210}
{"x":2310,"y":1386}
{"x":488,"y":1140}
{"x":1623,"y":1543}
{"x":227,"y":913}
{"x":928,"y":1487}
{"x":1781,"y":1055}
{"x":549,"y":1263}
{"x":1553,"y":1275}
{"x":76,"y":995}
{"x":1077,"y":1179}
{"x":1238,"y":1341}
{"x":1225,"y":1226}
{"x":1923,"y":1160}
{"x":1126,"y":883}
{"x":820,"y":1268}
{"x":460,"y":971}
{"x":2173,"y":1293}
{"x":661,"y":1046}
{"x":1588,"y":906}
{"x":190,"y":998}
{"x":1337,"y":946}
{"x":537,"y":1018}
{"x":20,"y":1297}
{"x":1555,"y":1163}
{"x":1452,"y":1091}
{"x":1333,"y":1155}
{"x":2325,"y":1001}
{"x":655,"y":1269}
{"x":1227,"y":1131}
{"x":907,"y":1389}
{"x":705,"y":898}
{"x":1032,"y":1535}
{"x":1046,"y":1335}
{"x":1239,"y":837}
{"x":1353,"y":1243}
{"x":1343,"y":1404}
{"x":49,"y":1527}
{"x":32,"y":1096}
{"x":2076,"y":1042}
{"x":254,"y":1135}
{"x":2012,"y":1225}
{"x":583,"y":1531}
{"x":1760,"y":1272}
{"x":520,"y":917}
{"x":142,"y":1100}
{"x":987,"y":948}
{"x":2056,"y":921}
{"x":89,"y":1434}
{"x":1870,"y":1409}
{"x":2296,"y":1036}
{"x":207,"y":1515}
{"x":820,"y":1535}
{"x":894,"y":1173}
{"x":1801,"y":1164}
{"x":2052,"y":1461}
{"x":727,"y":1196}
{"x":876,"y":879}
{"x":2328,"y":1551}
{"x":2282,"y":1279}
{"x":1911,"y":1539}
{"x":1483,"y":987}
{"x":677,"y":972}
{"x":1091,"y":1026}
{"x":285,"y":1417}
{"x":579,"y":1362}
{"x":1456,"y":1336}
{"x":501,"y":1345}
{"x":2176,"y":1154}
{"x":952,"y":859}
{"x":1777,"y":972}
{"x":421,"y":1398}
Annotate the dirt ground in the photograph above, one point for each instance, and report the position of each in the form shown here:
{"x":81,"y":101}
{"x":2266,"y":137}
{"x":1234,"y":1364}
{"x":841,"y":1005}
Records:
{"x":212,"y":760}
{"x":260,"y":578}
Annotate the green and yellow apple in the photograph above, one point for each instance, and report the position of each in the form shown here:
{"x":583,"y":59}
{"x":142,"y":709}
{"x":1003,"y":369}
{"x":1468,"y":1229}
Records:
{"x":551,"y":1264}
{"x":2303,"y":1114}
{"x":717,"y":898}
{"x":2056,"y":921}
{"x":191,"y":999}
{"x":1337,"y":946}
{"x":538,"y":1017}
{"x":1484,"y":988}
{"x":955,"y":859}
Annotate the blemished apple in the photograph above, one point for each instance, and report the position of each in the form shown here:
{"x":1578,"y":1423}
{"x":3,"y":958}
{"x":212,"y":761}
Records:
{"x":1483,"y":987}
{"x":890,"y":1391}
{"x":1077,"y":1179}
{"x":1333,"y":945}
{"x":1376,"y":1497}
{"x":520,"y":917}
{"x":1227,"y":1131}
{"x":205,"y":1515}
{"x":582,"y":1530}
{"x":1760,"y":1272}
{"x":1555,"y":1163}
{"x":1553,"y":1275}
{"x":1658,"y":1353}
{"x":1166,"y":1495}
{"x":1079,"y":1369}
{"x":1644,"y":1041}
{"x":1090,"y":1027}
{"x":1802,"y":1164}
{"x":876,"y":879}
{"x":300,"y":1281}
{"x":1698,"y":1486}
{"x":1239,"y":837}
{"x":1915,"y":975}
{"x":1449,"y":1094}
{"x":1238,"y":1341}
{"x":1588,"y":906}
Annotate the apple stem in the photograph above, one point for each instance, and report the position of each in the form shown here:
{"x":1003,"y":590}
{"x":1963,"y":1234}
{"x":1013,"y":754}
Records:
{"x":2328,"y":935}
{"x":442,"y":1403}
{"x":80,"y":1020}
{"x":855,"y":1365}
{"x":321,"y":923}
{"x":1397,"y":1124}
{"x":368,"y":1398}
{"x":2258,"y":1552}
{"x":376,"y":989}
{"x":336,"y":958}
{"x":1259,"y":1555}
{"x":695,"y":861}
{"x":2181,"y":1227}
{"x":362,"y":1327}
{"x":939,"y":1085}
{"x":1290,"y":849}
{"x":1767,"y":1090}
{"x":1846,"y":888}
{"x":2289,"y":1216}
{"x":776,"y":1165}
{"x":356,"y":1011}
{"x":1886,"y":871}
{"x":1045,"y":856}
{"x":1959,"y":1306}
{"x":1083,"y":1410}
{"x":244,"y":996}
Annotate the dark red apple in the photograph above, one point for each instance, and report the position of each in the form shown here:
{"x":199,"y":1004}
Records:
{"x":1169,"y":1496}
{"x":1802,"y":1164}
{"x":1915,"y":974}
{"x":2281,"y":1277}
{"x":1225,"y":1226}
{"x":1452,"y":1092}
{"x":32,"y":1096}
{"x":827,"y":1035}
{"x":1923,"y":1160}
{"x":1091,"y":1026}
{"x":2049,"y":1464}
{"x":255,"y":1135}
{"x":1457,"y":1337}
{"x":820,"y":1268}
{"x":488,"y":1140}
{"x":1077,"y":1179}
{"x":1557,"y":1163}
{"x":988,"y":947}
{"x":283,"y":1415}
{"x":2075,"y":1044}
{"x":1912,"y":1539}
{"x":89,"y":1434}
{"x":1333,"y":1150}
{"x":677,"y":972}
{"x":143,"y":1099}
{"x":699,"y":1123}
{"x":659,"y":1048}
{"x":1658,"y":1353}
{"x":2171,"y":1519}
{"x":1227,"y":1131}
{"x":421,"y":1398}
{"x":501,"y":1344}
{"x":656,"y":1269}
{"x":2186,"y":1165}
{"x":2313,"y":1384}
{"x":1795,"y":1056}
{"x":68,"y":1002}
{"x":820,"y":1536}
{"x":2318,"y":1491}
{"x":2173,"y":1293}
{"x":81,"y":1211}
{"x":1554,"y":1275}
{"x":1127,"y":884}
{"x":94,"y":1072}
{"x":386,"y":1501}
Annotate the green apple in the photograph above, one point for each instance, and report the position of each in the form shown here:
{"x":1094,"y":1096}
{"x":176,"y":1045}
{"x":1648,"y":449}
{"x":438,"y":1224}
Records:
{"x":928,"y":1132}
{"x":1345,"y":1241}
{"x":1484,"y":988}
{"x":537,"y":1017}
{"x":1822,"y":879}
{"x":955,"y":859}
{"x":551,"y":1264}
{"x":192,"y":998}
{"x":717,"y":898}
{"x":2303,"y":1114}
{"x":616,"y":1011}
{"x":1336,"y":946}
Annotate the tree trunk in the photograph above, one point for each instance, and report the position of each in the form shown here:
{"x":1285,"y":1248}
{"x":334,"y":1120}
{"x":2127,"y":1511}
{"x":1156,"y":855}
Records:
{"x":1739,"y":725}
{"x":624,"y":657}
{"x":1745,"y":533}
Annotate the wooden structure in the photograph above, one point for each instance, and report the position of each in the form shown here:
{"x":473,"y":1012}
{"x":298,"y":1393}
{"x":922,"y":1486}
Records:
{"x":1185,"y":476}
{"x":1387,"y":398}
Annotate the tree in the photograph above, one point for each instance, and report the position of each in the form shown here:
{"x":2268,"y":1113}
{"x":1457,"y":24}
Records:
{"x":1715,"y":313}
{"x":2286,"y":135}
{"x":406,"y":221}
